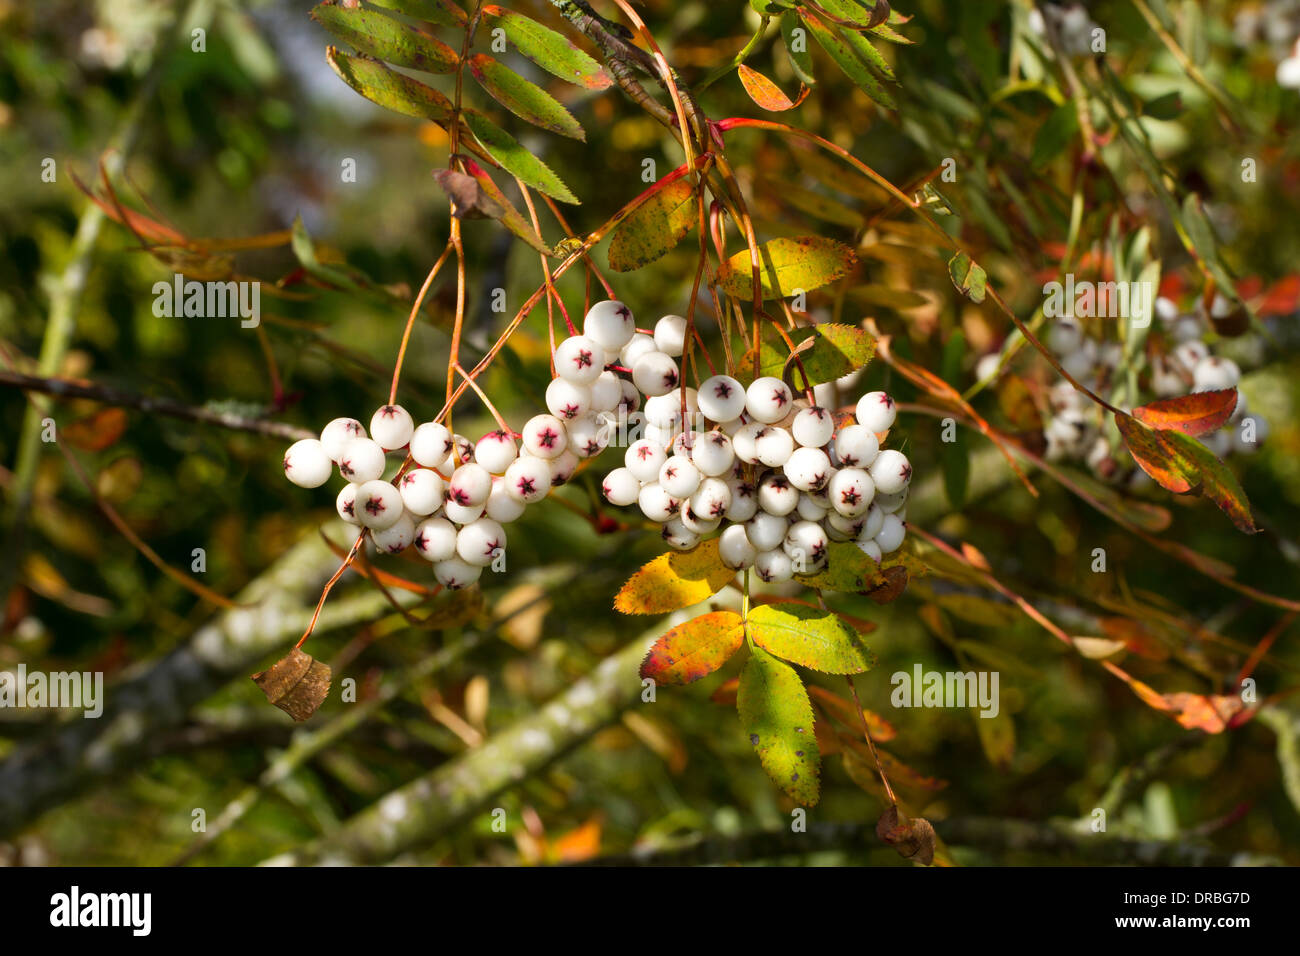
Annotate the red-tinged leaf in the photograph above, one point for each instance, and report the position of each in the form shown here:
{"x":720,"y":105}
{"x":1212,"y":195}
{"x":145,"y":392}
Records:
{"x":1283,"y":297}
{"x":809,"y":637}
{"x":1195,"y":414}
{"x":524,"y":98}
{"x":913,"y":838}
{"x":694,"y":649}
{"x":675,"y":580}
{"x":777,"y":715}
{"x":1134,"y":636}
{"x":1181,"y":464}
{"x":477,"y":196}
{"x":97,"y":431}
{"x":654,"y":227}
{"x":1213,"y":714}
{"x":550,"y":50}
{"x":787,"y":265}
{"x":846,"y":712}
{"x":384,"y":38}
{"x":765,"y":93}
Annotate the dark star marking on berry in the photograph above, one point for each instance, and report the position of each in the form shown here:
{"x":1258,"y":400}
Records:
{"x":723,"y":390}
{"x":345,"y":466}
{"x":547,"y":438}
{"x":670,"y":379}
{"x":374,"y":506}
{"x":388,"y":411}
{"x":571,"y":411}
{"x":671,"y":471}
{"x":819,"y":479}
{"x":422,"y":541}
{"x":718,"y":438}
{"x":349,"y":508}
{"x":592,"y":447}
{"x":850,"y":496}
{"x":780,"y":483}
{"x":716,"y":509}
{"x":584,"y":359}
{"x":287,"y":463}
{"x":818,"y":551}
{"x":780,"y":397}
{"x":644,"y":452}
{"x":526,"y":486}
{"x":460,"y":496}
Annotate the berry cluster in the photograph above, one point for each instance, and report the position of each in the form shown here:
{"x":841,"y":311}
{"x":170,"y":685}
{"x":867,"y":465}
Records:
{"x":1076,"y":429}
{"x":453,"y":500}
{"x":785,"y":476}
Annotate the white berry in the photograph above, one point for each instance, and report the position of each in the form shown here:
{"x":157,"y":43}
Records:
{"x":637,"y":346}
{"x":422,"y":491}
{"x":396,"y":537}
{"x":502,"y":507}
{"x":495,"y":451}
{"x":621,"y":487}
{"x":891,"y":471}
{"x":744,"y":501}
{"x":678,"y":536}
{"x":856,"y":446}
{"x":768,"y":400}
{"x":655,"y":373}
{"x":711,"y":499}
{"x":606,"y":392}
{"x":362,"y":460}
{"x":306,"y":464}
{"x":851,"y":491}
{"x":431,"y":445}
{"x":870,"y":549}
{"x":544,"y":436}
{"x":670,"y":335}
{"x":346,"y":503}
{"x":721,"y":398}
{"x":454,"y":574}
{"x":877,"y":411}
{"x":808,"y":468}
{"x":609,"y":323}
{"x":774,"y":446}
{"x":806,"y":544}
{"x":378,"y":505}
{"x":679,"y":477}
{"x":435,"y":539}
{"x":579,"y":359}
{"x":480,"y":542}
{"x":459,"y":514}
{"x":588,"y":436}
{"x":563,"y":467}
{"x":528,"y":479}
{"x":734,"y":548}
{"x":470,"y":485}
{"x":766,"y":531}
{"x":644,"y":458}
{"x":567,"y":401}
{"x":712,"y":454}
{"x":813,"y":427}
{"x":773,"y":565}
{"x":656,"y":503}
{"x":891,"y":534}
{"x":338,"y":433}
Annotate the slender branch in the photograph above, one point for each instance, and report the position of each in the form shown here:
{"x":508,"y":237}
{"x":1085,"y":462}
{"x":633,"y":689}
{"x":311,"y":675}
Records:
{"x":107,"y":395}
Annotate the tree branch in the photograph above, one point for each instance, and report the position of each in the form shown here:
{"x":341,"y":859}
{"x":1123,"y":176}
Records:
{"x":106,"y":395}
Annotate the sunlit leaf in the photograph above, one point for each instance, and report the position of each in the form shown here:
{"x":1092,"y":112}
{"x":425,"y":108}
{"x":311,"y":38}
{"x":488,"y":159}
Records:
{"x":786,"y":266}
{"x":513,"y":157}
{"x":1195,"y":414}
{"x":383,"y":37}
{"x":394,"y":91}
{"x":550,"y":50}
{"x":777,"y":715}
{"x":476,"y":195}
{"x":833,"y":41}
{"x":809,"y":637}
{"x":525,"y":99}
{"x":1183,"y":465}
{"x":694,"y":649}
{"x":654,"y":227}
{"x":675,"y":580}
{"x":967,"y":276}
{"x":796,"y":48}
{"x":297,"y":684}
{"x":765,"y":93}
{"x":848,"y":569}
{"x":442,"y":12}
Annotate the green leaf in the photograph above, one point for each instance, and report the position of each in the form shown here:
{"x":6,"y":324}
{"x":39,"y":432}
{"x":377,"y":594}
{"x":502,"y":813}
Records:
{"x":796,"y":48}
{"x":849,"y":570}
{"x":654,"y":227}
{"x":394,"y":91}
{"x":809,"y":637}
{"x":967,"y":276}
{"x":956,"y":473}
{"x":828,"y":352}
{"x":386,"y":39}
{"x":777,"y":714}
{"x":550,"y":50}
{"x":477,"y":196}
{"x":1201,"y":234}
{"x":1060,"y":127}
{"x":694,"y":649}
{"x":854,"y":67}
{"x":526,"y":100}
{"x":507,"y":151}
{"x":787,"y":265}
{"x":442,"y":12}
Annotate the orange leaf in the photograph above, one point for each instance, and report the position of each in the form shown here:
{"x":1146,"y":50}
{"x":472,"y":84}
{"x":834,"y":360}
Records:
{"x":98,"y":431}
{"x":1194,"y":414}
{"x":844,"y":711}
{"x":691,"y":650}
{"x":727,"y":692}
{"x":766,"y":93}
{"x":674,"y":580}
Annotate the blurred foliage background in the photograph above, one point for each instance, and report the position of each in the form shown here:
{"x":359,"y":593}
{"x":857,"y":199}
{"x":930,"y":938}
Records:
{"x":252,"y":133}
